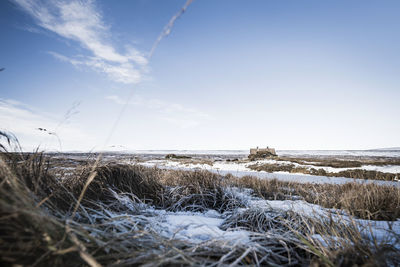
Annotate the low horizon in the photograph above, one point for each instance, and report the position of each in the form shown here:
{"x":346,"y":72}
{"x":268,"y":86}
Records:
{"x":387,"y":149}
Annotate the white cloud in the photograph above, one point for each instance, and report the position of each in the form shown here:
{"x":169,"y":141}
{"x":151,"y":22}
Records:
{"x":177,"y":114}
{"x":24,"y":121}
{"x":82,"y":22}
{"x":124,"y":73}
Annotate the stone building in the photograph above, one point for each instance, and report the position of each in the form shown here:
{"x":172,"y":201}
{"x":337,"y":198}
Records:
{"x":262,"y":152}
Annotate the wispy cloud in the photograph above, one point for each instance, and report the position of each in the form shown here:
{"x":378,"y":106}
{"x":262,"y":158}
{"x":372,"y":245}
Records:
{"x":82,"y":22}
{"x":177,"y":114}
{"x":25,"y":121}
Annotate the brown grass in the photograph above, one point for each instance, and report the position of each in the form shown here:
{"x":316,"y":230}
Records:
{"x":34,"y":230}
{"x":197,"y":191}
{"x":135,"y":180}
{"x":356,"y":173}
{"x":201,"y":190}
{"x":367,"y":201}
{"x":174,"y":156}
{"x":344,"y":162}
{"x":36,"y":226}
{"x":327,"y":162}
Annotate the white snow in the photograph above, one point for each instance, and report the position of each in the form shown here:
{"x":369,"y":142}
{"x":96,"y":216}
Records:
{"x":387,"y":168}
{"x":379,"y":231}
{"x":198,"y":227}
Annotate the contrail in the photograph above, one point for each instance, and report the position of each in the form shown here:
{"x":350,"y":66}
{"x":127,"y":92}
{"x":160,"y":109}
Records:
{"x":164,"y":33}
{"x":168,"y":27}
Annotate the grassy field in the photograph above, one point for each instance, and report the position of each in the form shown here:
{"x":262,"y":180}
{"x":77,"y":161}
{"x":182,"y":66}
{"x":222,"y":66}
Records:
{"x":344,"y":162}
{"x":350,"y":173}
{"x":364,"y":168}
{"x":103,"y":214}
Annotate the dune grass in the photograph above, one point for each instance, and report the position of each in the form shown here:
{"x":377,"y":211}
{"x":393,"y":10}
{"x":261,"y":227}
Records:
{"x":45,"y":220}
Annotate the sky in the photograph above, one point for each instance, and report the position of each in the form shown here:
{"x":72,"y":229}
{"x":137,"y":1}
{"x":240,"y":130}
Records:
{"x":231,"y":74}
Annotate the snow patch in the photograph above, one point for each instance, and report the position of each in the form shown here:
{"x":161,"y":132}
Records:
{"x":241,"y":169}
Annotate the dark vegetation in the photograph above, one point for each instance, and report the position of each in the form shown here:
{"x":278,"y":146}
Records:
{"x":366,"y":201}
{"x":353,"y":173}
{"x":358,"y":174}
{"x":174,"y":156}
{"x":341,"y":163}
{"x":261,"y":155}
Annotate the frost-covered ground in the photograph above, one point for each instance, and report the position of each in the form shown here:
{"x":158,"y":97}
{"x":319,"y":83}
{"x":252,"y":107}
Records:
{"x":353,"y":153}
{"x":229,"y":214}
{"x":242,"y":169}
{"x":200,"y":227}
{"x":196,"y":227}
{"x":381,"y":231}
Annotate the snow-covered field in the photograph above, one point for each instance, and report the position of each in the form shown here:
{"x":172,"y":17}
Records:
{"x":242,"y":169}
{"x":353,"y":153}
{"x":312,"y":153}
{"x":200,"y":227}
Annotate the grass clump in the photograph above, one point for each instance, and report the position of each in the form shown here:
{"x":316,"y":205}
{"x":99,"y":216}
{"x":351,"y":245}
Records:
{"x":140,"y":182}
{"x":30,"y":230}
{"x":366,"y":201}
{"x":333,"y":242}
{"x":257,"y":219}
{"x":198,"y":191}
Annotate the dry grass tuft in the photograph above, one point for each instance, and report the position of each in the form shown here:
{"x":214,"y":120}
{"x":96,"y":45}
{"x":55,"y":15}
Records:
{"x":256,"y":219}
{"x":140,"y":182}
{"x":270,"y":189}
{"x":366,"y":201}
{"x":198,"y":191}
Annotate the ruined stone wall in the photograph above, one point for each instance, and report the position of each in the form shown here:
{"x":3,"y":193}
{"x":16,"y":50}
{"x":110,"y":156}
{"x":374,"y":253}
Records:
{"x":254,"y":151}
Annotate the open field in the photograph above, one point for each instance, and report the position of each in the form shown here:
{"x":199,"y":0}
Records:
{"x":68,"y":210}
{"x":308,"y":168}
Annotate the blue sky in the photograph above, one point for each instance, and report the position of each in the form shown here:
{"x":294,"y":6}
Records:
{"x":230,"y":75}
